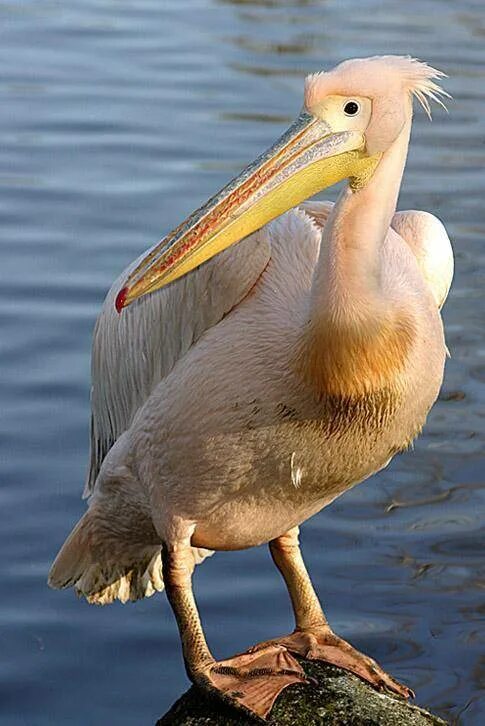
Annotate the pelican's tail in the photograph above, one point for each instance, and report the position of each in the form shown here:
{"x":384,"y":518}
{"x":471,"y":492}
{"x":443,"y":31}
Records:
{"x":105,"y":568}
{"x":104,"y":560}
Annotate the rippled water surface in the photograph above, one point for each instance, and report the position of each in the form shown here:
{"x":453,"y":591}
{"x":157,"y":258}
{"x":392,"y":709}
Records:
{"x":116,"y":120}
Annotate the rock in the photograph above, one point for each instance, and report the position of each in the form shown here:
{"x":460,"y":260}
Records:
{"x":338,"y":699}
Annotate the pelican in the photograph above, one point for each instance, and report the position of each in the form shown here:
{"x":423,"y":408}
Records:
{"x":237,"y":389}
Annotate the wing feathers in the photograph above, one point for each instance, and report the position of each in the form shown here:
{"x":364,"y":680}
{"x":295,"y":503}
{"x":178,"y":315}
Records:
{"x":134,"y":351}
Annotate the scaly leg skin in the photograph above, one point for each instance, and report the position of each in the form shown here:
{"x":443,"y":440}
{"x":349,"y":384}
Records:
{"x":312,"y":637}
{"x":251,"y":681}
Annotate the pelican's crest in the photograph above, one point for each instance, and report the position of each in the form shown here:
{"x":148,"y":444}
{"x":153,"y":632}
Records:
{"x":379,"y":75}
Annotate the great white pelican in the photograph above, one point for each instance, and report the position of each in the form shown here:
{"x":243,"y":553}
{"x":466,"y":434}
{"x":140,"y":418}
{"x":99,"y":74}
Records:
{"x":258,"y":382}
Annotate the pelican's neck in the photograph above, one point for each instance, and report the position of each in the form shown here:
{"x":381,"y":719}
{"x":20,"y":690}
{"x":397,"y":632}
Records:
{"x":353,"y":321}
{"x":347,"y":278}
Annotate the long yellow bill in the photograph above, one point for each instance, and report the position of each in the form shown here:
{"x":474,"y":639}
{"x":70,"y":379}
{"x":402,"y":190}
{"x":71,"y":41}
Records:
{"x":308,"y":158}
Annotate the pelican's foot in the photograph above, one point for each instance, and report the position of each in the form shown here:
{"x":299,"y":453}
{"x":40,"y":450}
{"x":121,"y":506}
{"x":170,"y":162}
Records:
{"x":252,"y":681}
{"x":322,"y":644}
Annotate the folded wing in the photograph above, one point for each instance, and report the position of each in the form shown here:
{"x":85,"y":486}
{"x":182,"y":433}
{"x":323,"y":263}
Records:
{"x":134,"y":351}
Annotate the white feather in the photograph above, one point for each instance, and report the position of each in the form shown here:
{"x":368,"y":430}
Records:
{"x":134,"y":351}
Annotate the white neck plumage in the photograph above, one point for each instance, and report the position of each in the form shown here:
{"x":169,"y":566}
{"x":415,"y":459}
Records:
{"x":357,"y":336}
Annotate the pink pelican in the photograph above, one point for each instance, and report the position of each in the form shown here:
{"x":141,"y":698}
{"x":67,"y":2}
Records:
{"x":250,"y":389}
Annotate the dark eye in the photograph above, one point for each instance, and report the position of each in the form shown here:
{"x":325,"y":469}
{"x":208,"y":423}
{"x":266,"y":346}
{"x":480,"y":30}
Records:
{"x":351,"y":108}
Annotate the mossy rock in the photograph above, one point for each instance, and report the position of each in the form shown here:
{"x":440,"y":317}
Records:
{"x":337,"y":699}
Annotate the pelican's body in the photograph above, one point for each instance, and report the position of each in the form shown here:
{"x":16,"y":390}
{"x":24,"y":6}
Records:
{"x":236,"y":442}
{"x":240,"y":400}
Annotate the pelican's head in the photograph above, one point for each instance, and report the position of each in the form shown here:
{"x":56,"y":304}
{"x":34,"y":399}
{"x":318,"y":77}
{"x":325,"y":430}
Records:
{"x":351,"y":116}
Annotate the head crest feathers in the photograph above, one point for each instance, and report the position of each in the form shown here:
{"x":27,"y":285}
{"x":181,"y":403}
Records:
{"x":379,"y":75}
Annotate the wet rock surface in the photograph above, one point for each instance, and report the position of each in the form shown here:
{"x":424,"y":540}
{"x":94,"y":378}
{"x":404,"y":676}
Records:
{"x":336,"y":699}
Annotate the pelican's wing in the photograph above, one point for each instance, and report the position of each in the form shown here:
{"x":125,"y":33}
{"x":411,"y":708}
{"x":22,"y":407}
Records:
{"x":428,"y":239}
{"x":134,"y":351}
{"x":318,"y":211}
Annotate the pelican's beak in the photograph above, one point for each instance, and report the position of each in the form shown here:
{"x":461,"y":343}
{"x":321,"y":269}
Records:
{"x":308,"y":158}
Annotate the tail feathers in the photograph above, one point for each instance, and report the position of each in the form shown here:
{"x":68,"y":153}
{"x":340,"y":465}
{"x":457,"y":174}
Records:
{"x":115,"y":571}
{"x":104,"y":568}
{"x":73,"y":558}
{"x":101,"y":586}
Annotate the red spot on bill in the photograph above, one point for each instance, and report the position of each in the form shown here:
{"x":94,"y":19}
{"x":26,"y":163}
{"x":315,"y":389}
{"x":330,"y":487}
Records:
{"x":121,"y":299}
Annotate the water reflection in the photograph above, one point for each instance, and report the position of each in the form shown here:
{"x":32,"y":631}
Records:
{"x":275,"y":3}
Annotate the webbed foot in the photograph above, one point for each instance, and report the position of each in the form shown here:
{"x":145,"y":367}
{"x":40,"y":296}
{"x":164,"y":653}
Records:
{"x":252,"y":681}
{"x":321,"y":643}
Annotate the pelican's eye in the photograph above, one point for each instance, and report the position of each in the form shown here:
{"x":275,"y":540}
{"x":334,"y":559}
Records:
{"x":351,"y":108}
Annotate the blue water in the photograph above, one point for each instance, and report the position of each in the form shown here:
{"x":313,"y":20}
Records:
{"x":116,"y":120}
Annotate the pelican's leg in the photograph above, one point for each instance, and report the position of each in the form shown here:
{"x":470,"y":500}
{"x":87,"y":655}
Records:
{"x":312,"y":637}
{"x":250,"y":680}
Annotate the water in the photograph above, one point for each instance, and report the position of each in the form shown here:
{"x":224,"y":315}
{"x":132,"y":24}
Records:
{"x":116,"y":120}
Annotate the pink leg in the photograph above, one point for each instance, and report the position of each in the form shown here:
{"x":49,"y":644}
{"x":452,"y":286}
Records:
{"x":251,"y":681}
{"x":312,"y":637}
